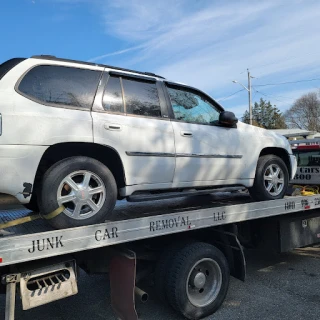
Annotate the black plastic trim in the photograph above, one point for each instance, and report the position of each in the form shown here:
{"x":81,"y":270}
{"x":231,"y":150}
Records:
{"x":149,"y":154}
{"x":182,"y":155}
{"x":218,"y":156}
{"x":167,"y":100}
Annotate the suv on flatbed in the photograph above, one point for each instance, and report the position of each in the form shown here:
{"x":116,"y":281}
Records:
{"x":82,"y":135}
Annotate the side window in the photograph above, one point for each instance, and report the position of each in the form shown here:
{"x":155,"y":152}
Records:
{"x":191,"y":107}
{"x":112,"y":97}
{"x":61,"y":86}
{"x":141,"y":98}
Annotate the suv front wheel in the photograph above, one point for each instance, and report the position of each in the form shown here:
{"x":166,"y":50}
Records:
{"x":271,"y":179}
{"x":84,"y":186}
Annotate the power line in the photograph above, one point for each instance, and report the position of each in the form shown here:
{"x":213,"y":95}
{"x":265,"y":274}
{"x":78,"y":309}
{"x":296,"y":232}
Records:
{"x":274,"y":95}
{"x":230,"y":95}
{"x":288,"y":82}
{"x":254,"y":94}
{"x":268,"y":95}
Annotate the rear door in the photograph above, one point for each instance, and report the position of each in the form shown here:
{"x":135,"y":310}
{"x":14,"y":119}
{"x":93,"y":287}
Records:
{"x":130,"y":115}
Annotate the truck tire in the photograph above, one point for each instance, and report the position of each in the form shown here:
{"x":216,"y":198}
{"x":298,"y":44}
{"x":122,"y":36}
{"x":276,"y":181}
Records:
{"x":271,"y":179}
{"x":198,"y":280}
{"x":84,"y":186}
{"x":162,"y":266}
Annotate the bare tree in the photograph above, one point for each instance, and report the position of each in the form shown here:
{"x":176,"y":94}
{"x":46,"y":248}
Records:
{"x":305,"y":113}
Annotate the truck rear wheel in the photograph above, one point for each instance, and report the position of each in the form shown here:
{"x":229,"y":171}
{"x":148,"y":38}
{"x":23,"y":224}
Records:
{"x":198,"y":280}
{"x":163,"y":264}
{"x":84,"y":186}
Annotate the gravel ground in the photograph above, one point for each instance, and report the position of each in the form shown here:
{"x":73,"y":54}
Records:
{"x":278,"y":286}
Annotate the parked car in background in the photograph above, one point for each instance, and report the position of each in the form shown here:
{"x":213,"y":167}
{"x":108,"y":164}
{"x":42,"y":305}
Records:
{"x":82,"y":135}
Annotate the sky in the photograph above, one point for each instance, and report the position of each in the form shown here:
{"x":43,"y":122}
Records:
{"x":205,"y":44}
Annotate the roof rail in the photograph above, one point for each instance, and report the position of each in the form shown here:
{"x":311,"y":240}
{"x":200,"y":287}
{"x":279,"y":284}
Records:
{"x":54,"y":58}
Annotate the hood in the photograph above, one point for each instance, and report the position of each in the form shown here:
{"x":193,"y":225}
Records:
{"x":267,"y":137}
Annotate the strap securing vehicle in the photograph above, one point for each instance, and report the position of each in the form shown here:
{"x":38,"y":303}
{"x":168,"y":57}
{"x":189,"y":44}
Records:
{"x":32,"y":217}
{"x":53,"y":214}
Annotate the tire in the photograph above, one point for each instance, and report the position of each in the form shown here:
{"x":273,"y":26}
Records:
{"x":197,"y":299}
{"x":93,"y":200}
{"x":162,"y":266}
{"x":259,"y":190}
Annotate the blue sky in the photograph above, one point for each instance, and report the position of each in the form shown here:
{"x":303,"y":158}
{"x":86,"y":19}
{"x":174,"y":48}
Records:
{"x":206,"y":44}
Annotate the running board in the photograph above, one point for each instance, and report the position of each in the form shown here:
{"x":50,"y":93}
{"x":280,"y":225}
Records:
{"x":170,"y":195}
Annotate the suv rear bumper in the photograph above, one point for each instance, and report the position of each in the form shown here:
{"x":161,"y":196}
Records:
{"x":18,"y":166}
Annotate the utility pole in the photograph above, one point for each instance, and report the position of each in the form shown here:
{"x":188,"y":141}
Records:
{"x":249,"y":93}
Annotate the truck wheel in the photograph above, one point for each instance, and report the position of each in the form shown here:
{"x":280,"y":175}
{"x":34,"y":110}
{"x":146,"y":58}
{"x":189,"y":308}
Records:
{"x":197,"y":280}
{"x":271,"y":180}
{"x":84,"y":186}
{"x":162,"y":266}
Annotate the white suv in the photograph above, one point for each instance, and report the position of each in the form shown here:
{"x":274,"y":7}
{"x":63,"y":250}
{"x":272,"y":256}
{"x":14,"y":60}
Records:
{"x":82,"y":135}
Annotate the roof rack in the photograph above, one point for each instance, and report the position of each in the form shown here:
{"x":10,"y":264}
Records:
{"x":50,"y":57}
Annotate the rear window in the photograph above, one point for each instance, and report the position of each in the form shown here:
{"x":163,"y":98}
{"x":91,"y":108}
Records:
{"x":61,"y":86}
{"x":8,"y":65}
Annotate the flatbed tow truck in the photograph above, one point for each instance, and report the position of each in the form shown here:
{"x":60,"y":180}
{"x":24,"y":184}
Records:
{"x":187,"y":247}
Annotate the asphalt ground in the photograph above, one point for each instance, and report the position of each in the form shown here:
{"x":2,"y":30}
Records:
{"x":278,"y":286}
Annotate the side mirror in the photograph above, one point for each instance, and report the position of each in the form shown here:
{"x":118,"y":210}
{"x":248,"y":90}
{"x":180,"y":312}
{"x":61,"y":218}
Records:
{"x":227,"y":119}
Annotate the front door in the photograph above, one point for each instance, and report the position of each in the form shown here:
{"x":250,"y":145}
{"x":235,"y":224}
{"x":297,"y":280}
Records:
{"x":129,"y":116}
{"x":206,"y":154}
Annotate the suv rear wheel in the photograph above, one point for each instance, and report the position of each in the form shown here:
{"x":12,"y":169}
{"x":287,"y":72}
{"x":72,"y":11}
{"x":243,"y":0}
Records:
{"x":84,"y":186}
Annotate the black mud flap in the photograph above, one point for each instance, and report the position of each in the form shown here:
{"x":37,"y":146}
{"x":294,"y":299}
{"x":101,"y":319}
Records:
{"x":229,"y":244}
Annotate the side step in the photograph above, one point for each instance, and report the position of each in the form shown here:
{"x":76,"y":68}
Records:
{"x":170,"y":195}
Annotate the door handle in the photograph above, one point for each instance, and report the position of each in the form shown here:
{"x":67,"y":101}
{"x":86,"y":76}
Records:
{"x":112,"y":127}
{"x":186,"y":134}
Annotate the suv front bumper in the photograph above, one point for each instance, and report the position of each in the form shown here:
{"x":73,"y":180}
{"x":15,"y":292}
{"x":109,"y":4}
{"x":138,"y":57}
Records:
{"x":293,"y":162}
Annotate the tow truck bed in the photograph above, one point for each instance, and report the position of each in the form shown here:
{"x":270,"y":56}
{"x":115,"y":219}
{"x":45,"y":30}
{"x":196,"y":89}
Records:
{"x":135,"y":221}
{"x":42,"y":261}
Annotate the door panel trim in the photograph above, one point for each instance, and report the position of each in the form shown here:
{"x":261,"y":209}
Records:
{"x":149,"y":154}
{"x":199,"y":155}
{"x":182,"y":155}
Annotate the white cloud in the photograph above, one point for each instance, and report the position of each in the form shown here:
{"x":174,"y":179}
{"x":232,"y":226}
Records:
{"x":208,"y":44}
{"x":115,"y":53}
